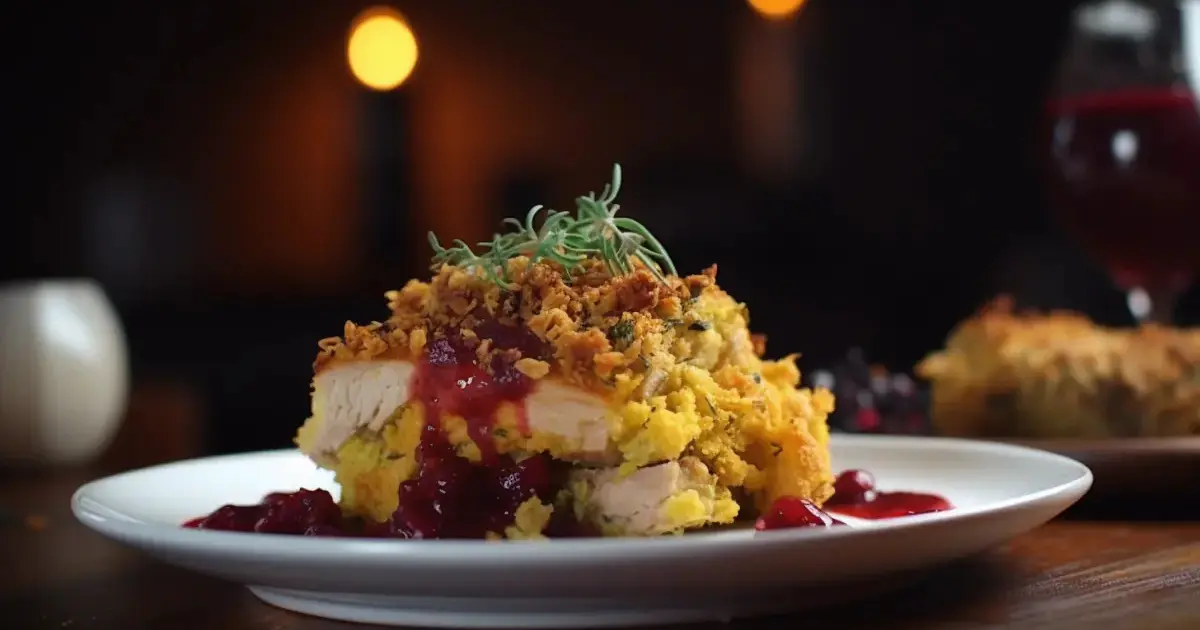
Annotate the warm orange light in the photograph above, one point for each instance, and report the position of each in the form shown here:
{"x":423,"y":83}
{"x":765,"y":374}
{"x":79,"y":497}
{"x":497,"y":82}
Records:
{"x":776,"y":9}
{"x":382,"y":49}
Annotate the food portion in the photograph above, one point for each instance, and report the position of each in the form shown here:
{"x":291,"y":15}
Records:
{"x":562,"y":380}
{"x":1059,"y":375}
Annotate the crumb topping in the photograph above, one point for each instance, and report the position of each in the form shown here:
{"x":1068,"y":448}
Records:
{"x":595,"y":323}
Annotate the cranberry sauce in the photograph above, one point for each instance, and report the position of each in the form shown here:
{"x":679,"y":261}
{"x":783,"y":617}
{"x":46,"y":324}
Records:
{"x":304,"y":512}
{"x":449,"y":496}
{"x":854,"y":494}
{"x":450,"y":381}
{"x":789,"y":512}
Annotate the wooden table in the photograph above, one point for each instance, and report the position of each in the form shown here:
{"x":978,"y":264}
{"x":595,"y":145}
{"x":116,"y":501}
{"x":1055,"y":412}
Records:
{"x":54,"y":573}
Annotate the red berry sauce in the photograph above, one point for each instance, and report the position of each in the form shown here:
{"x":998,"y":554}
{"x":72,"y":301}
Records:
{"x":449,"y":497}
{"x":789,"y":512}
{"x":852,"y":487}
{"x":304,"y":512}
{"x":854,"y":494}
{"x":450,"y":381}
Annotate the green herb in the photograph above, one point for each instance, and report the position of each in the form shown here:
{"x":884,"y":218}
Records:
{"x":670,"y":322}
{"x":757,"y":377}
{"x":700,"y":326}
{"x":500,"y":433}
{"x":595,"y":231}
{"x":621,"y":334}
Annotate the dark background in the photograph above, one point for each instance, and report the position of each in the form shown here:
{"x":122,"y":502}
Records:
{"x":218,"y":168}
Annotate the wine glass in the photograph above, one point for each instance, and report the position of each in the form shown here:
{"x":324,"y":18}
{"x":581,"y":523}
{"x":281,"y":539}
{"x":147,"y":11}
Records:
{"x":1124,"y":140}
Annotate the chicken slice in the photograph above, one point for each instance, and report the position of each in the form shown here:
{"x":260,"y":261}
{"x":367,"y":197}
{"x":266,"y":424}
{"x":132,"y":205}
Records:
{"x":362,"y":395}
{"x":660,"y":499}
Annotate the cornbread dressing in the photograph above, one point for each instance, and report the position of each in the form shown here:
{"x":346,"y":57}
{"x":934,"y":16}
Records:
{"x":654,"y":390}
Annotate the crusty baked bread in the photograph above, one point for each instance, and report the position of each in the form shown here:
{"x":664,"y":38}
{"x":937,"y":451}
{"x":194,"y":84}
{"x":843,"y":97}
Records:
{"x":1059,"y":375}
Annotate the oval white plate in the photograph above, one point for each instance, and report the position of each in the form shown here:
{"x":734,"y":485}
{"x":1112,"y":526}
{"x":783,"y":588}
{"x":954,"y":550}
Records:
{"x":999,"y":491}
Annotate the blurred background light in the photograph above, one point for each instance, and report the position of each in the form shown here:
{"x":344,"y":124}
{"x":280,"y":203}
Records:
{"x":776,"y":9}
{"x":382,"y":49}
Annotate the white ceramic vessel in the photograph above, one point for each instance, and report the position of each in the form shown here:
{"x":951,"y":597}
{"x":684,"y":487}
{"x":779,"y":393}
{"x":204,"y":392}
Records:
{"x":999,"y":491}
{"x":64,"y":375}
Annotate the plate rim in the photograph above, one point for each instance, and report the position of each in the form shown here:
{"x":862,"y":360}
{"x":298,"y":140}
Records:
{"x":483,"y":554}
{"x":1178,"y":445}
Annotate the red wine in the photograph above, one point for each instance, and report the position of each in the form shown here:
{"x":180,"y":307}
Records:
{"x":1124,"y":175}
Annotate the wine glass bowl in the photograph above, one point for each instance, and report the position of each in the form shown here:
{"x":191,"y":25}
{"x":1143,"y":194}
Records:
{"x":1124,"y":148}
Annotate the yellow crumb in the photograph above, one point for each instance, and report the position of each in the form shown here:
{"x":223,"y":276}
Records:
{"x":532,"y":368}
{"x":674,"y":363}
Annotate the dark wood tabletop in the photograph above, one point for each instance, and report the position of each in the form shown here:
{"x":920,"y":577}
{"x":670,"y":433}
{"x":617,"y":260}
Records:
{"x":1077,"y":572}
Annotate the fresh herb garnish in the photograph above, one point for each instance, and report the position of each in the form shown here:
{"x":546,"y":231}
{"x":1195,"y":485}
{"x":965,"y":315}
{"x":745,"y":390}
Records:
{"x":621,"y":334}
{"x":595,"y":231}
{"x":700,"y":326}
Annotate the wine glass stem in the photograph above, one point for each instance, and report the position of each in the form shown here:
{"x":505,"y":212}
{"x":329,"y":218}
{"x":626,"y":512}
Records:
{"x":1157,"y":306}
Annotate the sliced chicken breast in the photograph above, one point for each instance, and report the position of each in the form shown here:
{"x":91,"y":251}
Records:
{"x":650,"y":501}
{"x":363,"y":395}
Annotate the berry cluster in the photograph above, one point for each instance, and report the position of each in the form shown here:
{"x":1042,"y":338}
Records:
{"x":870,"y":399}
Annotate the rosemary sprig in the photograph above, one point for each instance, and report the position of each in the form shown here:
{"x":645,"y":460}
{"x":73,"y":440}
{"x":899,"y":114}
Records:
{"x":595,"y":231}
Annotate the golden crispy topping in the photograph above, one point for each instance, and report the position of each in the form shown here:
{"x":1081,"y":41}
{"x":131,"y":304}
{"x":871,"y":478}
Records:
{"x":1054,"y":369}
{"x":596,"y":323}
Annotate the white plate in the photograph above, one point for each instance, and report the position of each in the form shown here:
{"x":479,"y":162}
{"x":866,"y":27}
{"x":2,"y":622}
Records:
{"x":999,"y":491}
